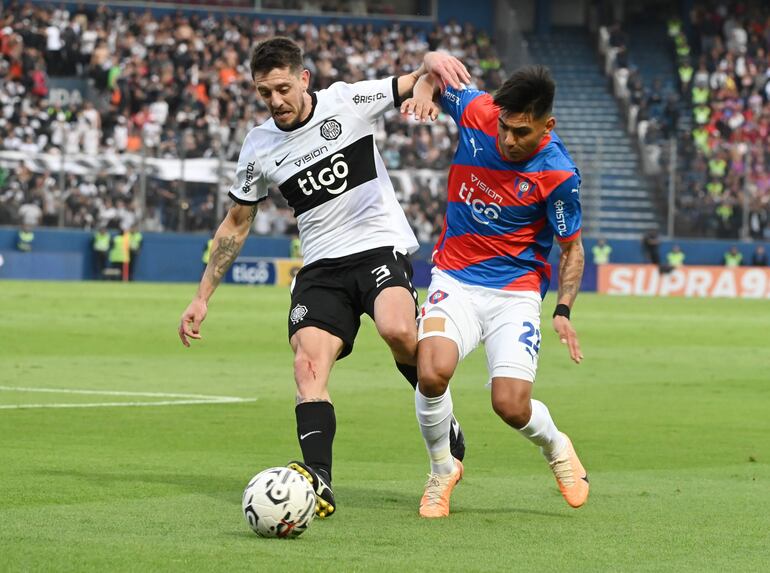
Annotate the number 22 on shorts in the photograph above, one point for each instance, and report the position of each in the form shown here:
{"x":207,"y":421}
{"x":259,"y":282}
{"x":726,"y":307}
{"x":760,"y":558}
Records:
{"x":530,"y":338}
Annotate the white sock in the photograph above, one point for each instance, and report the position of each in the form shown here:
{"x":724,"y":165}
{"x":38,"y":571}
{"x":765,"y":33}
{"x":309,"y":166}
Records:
{"x":541,"y":431}
{"x":435,"y":418}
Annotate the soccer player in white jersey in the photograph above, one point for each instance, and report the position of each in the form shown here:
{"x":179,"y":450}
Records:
{"x":512,"y":188}
{"x":318,"y":149}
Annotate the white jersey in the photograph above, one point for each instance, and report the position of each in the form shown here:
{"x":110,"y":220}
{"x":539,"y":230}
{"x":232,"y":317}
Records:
{"x":330,"y":172}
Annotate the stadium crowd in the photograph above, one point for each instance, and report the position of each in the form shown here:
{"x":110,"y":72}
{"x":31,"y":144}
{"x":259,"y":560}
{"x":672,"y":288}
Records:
{"x":180,"y":86}
{"x":723,"y":156}
{"x":724,"y":72}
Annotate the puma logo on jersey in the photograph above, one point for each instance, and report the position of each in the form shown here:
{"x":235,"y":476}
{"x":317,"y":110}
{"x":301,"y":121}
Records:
{"x":475,"y":149}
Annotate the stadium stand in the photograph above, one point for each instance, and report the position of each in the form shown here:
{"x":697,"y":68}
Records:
{"x":180,"y":87}
{"x":725,"y":158}
{"x":616,"y":196}
{"x":706,"y":83}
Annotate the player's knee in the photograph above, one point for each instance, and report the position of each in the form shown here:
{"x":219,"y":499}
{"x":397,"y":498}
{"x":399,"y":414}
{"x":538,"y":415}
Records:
{"x":513,"y":411}
{"x":400,"y":335}
{"x":433,"y":380}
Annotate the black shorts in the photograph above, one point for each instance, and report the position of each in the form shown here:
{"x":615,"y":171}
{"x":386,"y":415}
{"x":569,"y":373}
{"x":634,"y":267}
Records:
{"x":332,"y":294}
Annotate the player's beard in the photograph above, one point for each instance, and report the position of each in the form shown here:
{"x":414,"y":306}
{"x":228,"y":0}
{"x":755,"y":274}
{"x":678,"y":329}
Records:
{"x":297,"y":119}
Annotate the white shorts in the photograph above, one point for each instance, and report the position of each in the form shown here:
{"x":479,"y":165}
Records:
{"x":507,"y":322}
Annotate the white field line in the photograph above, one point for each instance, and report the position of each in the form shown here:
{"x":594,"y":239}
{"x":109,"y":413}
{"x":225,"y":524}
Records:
{"x":182,"y":399}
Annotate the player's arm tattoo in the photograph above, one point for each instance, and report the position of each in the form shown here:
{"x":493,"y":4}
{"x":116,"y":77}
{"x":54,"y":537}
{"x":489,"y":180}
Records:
{"x":253,"y":214}
{"x":235,"y":230}
{"x":222,"y":257}
{"x":571,"y":265}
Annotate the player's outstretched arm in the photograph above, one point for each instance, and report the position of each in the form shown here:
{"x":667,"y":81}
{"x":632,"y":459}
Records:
{"x":448,"y":69}
{"x":228,"y":241}
{"x":571,"y":265}
{"x":423,"y":104}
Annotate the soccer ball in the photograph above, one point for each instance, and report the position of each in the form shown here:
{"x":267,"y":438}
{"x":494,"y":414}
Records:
{"x":279,"y":502}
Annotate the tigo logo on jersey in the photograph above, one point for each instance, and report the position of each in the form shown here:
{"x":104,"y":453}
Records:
{"x":331,"y":129}
{"x":481,"y":211}
{"x":326,"y":178}
{"x":437,"y":297}
{"x":298,"y":313}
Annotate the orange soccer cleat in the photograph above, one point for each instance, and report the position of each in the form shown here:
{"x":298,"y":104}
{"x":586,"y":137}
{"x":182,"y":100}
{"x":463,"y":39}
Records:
{"x":438,"y":488}
{"x":570,"y":475}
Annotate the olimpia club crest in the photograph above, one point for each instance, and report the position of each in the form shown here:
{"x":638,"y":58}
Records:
{"x":298,"y":313}
{"x":331,"y":129}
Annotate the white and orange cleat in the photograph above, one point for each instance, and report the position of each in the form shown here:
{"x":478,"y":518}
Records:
{"x":438,"y":488}
{"x":571,"y":476}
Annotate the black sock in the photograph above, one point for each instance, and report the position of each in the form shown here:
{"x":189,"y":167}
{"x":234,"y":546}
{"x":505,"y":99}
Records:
{"x":316,"y":425}
{"x":409,"y":372}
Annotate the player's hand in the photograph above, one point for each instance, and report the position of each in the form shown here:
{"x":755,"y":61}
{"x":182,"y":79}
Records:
{"x":192,"y":317}
{"x":568,"y":336}
{"x":448,"y":69}
{"x":422,"y":109}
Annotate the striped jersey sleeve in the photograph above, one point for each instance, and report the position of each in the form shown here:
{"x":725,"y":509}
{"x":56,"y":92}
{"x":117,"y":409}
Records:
{"x":454,"y":102}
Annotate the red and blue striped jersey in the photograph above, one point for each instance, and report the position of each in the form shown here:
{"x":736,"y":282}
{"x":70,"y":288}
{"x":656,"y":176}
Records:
{"x":502,"y":216}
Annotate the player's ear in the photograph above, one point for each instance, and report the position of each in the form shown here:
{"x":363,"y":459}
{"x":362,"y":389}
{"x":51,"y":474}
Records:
{"x":550,"y":123}
{"x":304,"y":78}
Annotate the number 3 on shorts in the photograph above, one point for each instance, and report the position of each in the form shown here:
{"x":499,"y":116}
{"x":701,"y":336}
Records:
{"x":381,"y":274}
{"x":530,"y":338}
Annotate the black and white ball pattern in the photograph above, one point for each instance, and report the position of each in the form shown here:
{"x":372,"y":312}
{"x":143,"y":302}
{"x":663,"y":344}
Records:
{"x":279,"y":502}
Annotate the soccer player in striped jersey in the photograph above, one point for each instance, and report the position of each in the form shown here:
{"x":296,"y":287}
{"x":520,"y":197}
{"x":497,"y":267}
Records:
{"x":318,"y":149}
{"x":512,"y":187}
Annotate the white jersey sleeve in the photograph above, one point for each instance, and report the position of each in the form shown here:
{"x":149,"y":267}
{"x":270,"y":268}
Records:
{"x":250,"y":186}
{"x":369,"y":99}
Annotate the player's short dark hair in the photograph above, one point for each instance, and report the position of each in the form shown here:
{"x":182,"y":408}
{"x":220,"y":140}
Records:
{"x":529,"y":90}
{"x":278,"y":52}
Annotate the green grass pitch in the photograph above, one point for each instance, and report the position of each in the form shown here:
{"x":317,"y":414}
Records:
{"x":670,"y":412}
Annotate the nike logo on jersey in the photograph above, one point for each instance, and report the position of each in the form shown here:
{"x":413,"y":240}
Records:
{"x":585,"y":478}
{"x":277,"y":163}
{"x":303,"y":436}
